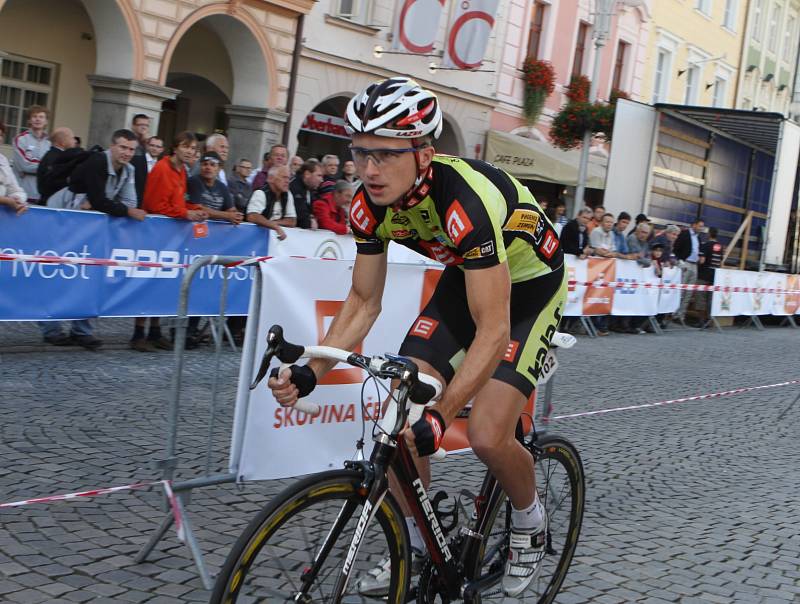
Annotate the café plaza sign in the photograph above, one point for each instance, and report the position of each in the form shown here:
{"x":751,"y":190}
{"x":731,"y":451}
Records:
{"x":327,"y":125}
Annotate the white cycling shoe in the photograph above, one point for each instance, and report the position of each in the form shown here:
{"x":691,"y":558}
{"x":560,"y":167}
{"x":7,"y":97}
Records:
{"x":375,"y":583}
{"x":525,"y":555}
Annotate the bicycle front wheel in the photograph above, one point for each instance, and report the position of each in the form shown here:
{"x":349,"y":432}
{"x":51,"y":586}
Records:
{"x":560,"y":483}
{"x":294,"y":550}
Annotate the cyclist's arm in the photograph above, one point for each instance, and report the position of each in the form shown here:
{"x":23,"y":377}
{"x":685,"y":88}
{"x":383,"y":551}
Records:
{"x":489,"y":299}
{"x":359,"y":311}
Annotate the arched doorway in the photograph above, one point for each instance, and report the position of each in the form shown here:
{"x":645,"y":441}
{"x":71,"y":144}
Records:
{"x":46,"y":68}
{"x":322,"y":131}
{"x":223,"y":67}
{"x":448,"y":141}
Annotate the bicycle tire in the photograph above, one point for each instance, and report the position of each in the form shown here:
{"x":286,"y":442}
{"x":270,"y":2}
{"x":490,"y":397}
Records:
{"x":271,"y":544}
{"x":559,"y":462}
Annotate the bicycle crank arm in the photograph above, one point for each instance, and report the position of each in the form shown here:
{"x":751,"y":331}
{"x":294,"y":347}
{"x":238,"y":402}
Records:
{"x":481,"y":585}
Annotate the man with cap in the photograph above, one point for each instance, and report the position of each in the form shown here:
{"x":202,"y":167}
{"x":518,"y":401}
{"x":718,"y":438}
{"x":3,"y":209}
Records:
{"x":210,"y":193}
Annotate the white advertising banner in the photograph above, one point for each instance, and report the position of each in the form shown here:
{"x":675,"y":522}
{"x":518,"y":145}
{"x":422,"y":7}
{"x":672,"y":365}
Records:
{"x":416,"y":25}
{"x":303,"y":296}
{"x":633,"y":300}
{"x":749,"y":302}
{"x":327,"y":125}
{"x":469,"y":32}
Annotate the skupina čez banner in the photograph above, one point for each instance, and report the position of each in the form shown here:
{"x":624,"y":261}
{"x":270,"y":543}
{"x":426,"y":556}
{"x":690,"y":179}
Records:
{"x":304,"y":294}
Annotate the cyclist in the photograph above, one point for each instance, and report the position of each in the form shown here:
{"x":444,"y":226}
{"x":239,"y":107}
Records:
{"x":488,"y":325}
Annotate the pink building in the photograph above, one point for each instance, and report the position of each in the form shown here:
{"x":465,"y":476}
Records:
{"x":560,"y":31}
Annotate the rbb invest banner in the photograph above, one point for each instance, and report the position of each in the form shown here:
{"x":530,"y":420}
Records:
{"x":469,"y":32}
{"x":30,"y":291}
{"x":732,"y":303}
{"x":305,"y":294}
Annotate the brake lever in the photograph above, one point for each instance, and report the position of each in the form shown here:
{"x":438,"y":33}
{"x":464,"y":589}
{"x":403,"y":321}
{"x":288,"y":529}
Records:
{"x":264,"y":368}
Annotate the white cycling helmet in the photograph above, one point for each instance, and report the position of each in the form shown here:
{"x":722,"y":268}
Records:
{"x":397,"y":107}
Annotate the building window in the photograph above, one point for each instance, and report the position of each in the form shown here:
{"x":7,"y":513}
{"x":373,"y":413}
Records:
{"x":354,"y":10}
{"x":619,"y":65}
{"x":789,"y":39}
{"x":537,"y":26}
{"x":757,"y":17}
{"x":720,"y":89}
{"x":704,"y":6}
{"x":23,"y":82}
{"x":580,"y":49}
{"x":772,"y":35}
{"x":692,"y":78}
{"x":729,"y":19}
{"x":663,"y":67}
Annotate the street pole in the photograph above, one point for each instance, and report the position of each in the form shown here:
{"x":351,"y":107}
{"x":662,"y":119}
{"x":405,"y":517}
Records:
{"x":602,"y":24}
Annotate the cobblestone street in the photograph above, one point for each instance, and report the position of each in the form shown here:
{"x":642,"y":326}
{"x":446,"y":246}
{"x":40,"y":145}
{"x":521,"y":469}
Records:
{"x":694,"y":502}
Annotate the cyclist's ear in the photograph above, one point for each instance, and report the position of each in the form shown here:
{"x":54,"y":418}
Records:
{"x":426,"y":154}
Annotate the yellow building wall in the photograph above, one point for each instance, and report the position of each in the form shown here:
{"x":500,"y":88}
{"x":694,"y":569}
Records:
{"x":55,"y":36}
{"x":680,"y":19}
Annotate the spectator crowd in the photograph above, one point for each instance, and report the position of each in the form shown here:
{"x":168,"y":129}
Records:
{"x":138,"y":174}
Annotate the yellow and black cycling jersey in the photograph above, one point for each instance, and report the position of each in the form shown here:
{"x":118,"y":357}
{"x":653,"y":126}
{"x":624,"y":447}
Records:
{"x":464,"y":213}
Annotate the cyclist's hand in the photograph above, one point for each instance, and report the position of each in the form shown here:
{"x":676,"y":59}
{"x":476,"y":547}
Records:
{"x":425,"y":436}
{"x":292,"y":383}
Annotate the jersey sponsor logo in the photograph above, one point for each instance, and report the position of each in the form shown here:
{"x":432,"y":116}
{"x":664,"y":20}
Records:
{"x":360,"y":214}
{"x":535,"y":370}
{"x":425,"y":215}
{"x":483,"y":250}
{"x":511,"y":352}
{"x":526,"y":221}
{"x":457,"y":222}
{"x":440,"y":253}
{"x":423,"y":190}
{"x":400,"y":219}
{"x":424,"y":327}
{"x":550,"y":245}
{"x":402,"y":234}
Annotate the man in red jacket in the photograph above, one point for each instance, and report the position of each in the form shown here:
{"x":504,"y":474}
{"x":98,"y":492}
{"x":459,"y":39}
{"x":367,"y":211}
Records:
{"x":332,"y":208}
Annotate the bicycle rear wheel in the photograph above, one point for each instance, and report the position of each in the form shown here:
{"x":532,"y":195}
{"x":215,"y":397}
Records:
{"x":560,"y":483}
{"x":292,"y":552}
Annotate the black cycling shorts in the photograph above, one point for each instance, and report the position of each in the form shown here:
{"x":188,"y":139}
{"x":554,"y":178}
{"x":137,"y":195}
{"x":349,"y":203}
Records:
{"x":444,"y":330}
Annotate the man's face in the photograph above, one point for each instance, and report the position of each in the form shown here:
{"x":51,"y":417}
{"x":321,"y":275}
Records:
{"x":279,"y":156}
{"x":313,"y":178}
{"x":296,"y":164}
{"x":122,"y":150}
{"x":209,"y":170}
{"x":244,"y":168}
{"x":607,"y":223}
{"x":584,"y":218}
{"x":221,"y":147}
{"x":141,"y":126}
{"x":642,"y":234}
{"x":185,"y":152}
{"x":343,"y":198}
{"x":331,"y":167}
{"x":598,"y":213}
{"x":671,"y":236}
{"x":279,"y":182}
{"x":622,"y":225}
{"x":698,"y":227}
{"x":38,"y":121}
{"x":394,"y":177}
{"x":349,"y":168}
{"x":155,"y":147}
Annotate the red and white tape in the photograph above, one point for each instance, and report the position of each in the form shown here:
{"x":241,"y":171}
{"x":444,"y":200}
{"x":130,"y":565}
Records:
{"x":257,"y":259}
{"x":165,"y":484}
{"x":674,"y":401}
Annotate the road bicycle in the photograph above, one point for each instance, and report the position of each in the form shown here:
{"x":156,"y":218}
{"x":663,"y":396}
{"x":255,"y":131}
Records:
{"x":313,"y":540}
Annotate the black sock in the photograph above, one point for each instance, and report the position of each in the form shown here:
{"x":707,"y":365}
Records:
{"x":138,"y":333}
{"x":155,"y":332}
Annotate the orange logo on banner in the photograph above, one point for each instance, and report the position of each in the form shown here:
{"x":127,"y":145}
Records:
{"x":329,"y":308}
{"x":424,"y":327}
{"x":200,"y":230}
{"x":598,"y":300}
{"x":791,"y":302}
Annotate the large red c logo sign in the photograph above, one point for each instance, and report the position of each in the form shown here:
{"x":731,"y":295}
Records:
{"x":455,"y":30}
{"x":416,"y":19}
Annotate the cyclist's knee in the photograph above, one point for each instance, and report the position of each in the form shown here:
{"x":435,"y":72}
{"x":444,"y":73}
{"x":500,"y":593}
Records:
{"x":488,"y":441}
